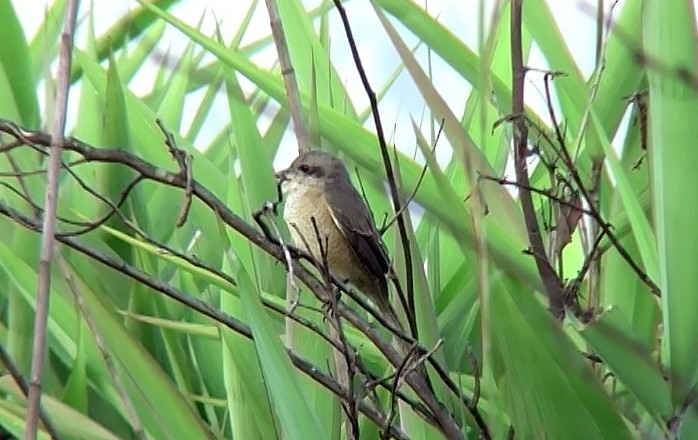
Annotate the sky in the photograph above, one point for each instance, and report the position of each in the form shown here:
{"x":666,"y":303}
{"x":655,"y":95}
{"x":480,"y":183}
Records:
{"x":577,"y":25}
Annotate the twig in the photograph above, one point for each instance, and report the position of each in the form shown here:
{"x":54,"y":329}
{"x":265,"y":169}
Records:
{"x":592,"y":211}
{"x":343,"y":362}
{"x":184,"y":162}
{"x":543,"y":192}
{"x":392,"y":183}
{"x":132,"y":414}
{"x":356,"y":361}
{"x":569,"y":163}
{"x":49,"y":222}
{"x":227,"y":320}
{"x":396,"y":383}
{"x":476,"y":374}
{"x":9,"y":363}
{"x":551,"y":282}
{"x":114,"y":207}
{"x":289,"y":77}
{"x":432,"y":409}
{"x":423,"y":357}
{"x":268,"y":208}
{"x":409,"y":200}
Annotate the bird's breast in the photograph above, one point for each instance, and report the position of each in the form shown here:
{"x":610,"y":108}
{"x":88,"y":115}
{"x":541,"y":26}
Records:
{"x":303,"y":204}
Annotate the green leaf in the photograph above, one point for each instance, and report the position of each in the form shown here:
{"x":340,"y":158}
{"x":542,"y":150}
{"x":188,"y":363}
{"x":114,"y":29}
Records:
{"x":629,"y":359}
{"x":127,"y":28}
{"x":548,"y":389}
{"x":640,"y":224}
{"x":15,"y":62}
{"x":44,"y":45}
{"x":282,"y":381}
{"x":669,"y":37}
{"x":67,"y":421}
{"x":152,"y":392}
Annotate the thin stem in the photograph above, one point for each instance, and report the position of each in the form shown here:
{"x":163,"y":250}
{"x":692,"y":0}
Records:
{"x":288,"y":74}
{"x":49,"y":222}
{"x":385,"y":154}
{"x":551,"y":282}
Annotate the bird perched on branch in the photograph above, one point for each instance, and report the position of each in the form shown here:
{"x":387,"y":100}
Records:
{"x":318,"y":190}
{"x":328,"y":219}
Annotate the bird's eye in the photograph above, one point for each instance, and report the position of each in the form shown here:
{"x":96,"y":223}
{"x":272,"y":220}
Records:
{"x":304,"y":168}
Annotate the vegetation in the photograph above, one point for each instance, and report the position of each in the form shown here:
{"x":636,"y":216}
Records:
{"x":552,"y":274}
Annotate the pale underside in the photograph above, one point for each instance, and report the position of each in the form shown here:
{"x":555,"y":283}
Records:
{"x":304,"y":203}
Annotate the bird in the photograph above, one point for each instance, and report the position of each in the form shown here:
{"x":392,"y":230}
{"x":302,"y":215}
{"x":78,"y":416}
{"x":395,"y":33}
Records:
{"x":317,"y":188}
{"x":328,"y":218}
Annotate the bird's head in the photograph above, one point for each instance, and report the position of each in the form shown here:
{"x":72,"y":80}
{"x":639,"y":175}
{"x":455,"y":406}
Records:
{"x":312,"y":168}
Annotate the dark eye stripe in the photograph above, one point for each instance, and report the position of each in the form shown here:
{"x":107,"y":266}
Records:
{"x":310,"y":170}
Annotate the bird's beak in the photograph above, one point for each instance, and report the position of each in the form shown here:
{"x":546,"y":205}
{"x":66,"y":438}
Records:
{"x":281,"y":176}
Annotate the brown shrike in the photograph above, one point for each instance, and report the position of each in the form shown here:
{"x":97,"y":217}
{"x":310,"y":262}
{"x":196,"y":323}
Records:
{"x":317,"y":189}
{"x":317,"y":186}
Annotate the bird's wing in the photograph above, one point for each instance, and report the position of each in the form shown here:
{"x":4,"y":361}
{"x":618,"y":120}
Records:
{"x":350,"y":215}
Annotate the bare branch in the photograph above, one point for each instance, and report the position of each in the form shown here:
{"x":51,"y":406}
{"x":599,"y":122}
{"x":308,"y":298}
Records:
{"x":289,"y":77}
{"x":429,"y":407}
{"x":553,"y":286}
{"x":49,"y":226}
{"x":11,"y":366}
{"x":230,"y":322}
{"x":389,"y":172}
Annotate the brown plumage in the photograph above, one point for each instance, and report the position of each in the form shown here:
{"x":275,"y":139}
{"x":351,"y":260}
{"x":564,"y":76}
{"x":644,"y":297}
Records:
{"x":317,"y":185}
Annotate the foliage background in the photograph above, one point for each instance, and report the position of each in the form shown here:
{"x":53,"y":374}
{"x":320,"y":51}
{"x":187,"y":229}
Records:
{"x":187,"y":376}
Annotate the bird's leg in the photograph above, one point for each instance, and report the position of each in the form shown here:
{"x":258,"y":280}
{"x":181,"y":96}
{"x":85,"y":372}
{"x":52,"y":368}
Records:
{"x":279,"y":197}
{"x":334,"y":298}
{"x":267,"y":207}
{"x":289,"y":252}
